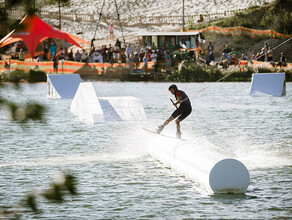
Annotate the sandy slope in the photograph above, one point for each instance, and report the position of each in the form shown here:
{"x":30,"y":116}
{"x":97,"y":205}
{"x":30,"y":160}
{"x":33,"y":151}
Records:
{"x":132,"y":8}
{"x":161,"y":7}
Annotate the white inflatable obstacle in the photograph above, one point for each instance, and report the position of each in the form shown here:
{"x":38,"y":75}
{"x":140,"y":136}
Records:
{"x":62,"y":86}
{"x":127,"y":108}
{"x":268,"y":83}
{"x":201,"y":162}
{"x":86,"y":105}
{"x":94,"y":110}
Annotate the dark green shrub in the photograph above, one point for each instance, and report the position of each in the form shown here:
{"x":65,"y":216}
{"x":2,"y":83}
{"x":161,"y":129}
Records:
{"x":17,"y":75}
{"x":195,"y":73}
{"x":36,"y":76}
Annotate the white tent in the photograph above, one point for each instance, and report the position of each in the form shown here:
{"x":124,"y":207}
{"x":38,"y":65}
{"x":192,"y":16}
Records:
{"x":268,"y":83}
{"x":62,"y":86}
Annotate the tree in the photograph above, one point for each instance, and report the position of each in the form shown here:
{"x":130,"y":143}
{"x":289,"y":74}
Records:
{"x":61,"y":3}
{"x":65,"y":183}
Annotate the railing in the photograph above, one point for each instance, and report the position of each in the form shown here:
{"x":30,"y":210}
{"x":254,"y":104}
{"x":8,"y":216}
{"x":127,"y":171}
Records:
{"x":131,"y":21}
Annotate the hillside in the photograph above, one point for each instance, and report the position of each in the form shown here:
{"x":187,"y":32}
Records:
{"x":276,"y":15}
{"x":133,"y":8}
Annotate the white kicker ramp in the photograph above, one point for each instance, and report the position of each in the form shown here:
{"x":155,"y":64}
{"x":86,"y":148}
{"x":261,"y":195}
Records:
{"x":202,"y":163}
{"x":124,"y":108}
{"x":62,"y":85}
{"x":268,"y":83}
{"x":86,"y":105}
{"x":93,"y":110}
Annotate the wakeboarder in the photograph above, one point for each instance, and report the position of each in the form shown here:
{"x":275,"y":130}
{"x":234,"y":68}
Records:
{"x":181,"y":112}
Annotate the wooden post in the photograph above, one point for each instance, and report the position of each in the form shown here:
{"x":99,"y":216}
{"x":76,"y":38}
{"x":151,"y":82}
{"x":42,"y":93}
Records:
{"x":183,"y":29}
{"x":59,"y":5}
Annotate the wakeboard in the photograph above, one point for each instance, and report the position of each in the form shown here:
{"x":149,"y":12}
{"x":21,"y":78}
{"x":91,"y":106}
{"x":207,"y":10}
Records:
{"x":154,"y":132}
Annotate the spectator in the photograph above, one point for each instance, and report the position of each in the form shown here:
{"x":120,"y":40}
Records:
{"x":131,"y":62}
{"x":270,"y":54}
{"x":55,"y":63}
{"x":118,"y":44}
{"x":223,"y":57}
{"x":149,"y":55}
{"x":46,"y":47}
{"x":201,"y":19}
{"x":53,"y":49}
{"x":155,"y":69}
{"x":70,"y":55}
{"x":84,"y":56}
{"x":233,"y":52}
{"x":265,"y":51}
{"x":95,"y":56}
{"x":283,"y":60}
{"x":136,"y":60}
{"x":262,"y":55}
{"x":116,"y":54}
{"x":100,"y":58}
{"x":66,"y":45}
{"x":226,"y":50}
{"x":153,"y":56}
{"x":129,"y":50}
{"x":138,"y":49}
{"x":171,"y":49}
{"x":90,"y":57}
{"x":123,"y":57}
{"x":242,"y":57}
{"x":142,"y":55}
{"x":253,"y":57}
{"x":234,"y":60}
{"x":40,"y":58}
{"x":167,"y":60}
{"x":211,"y":57}
{"x":223,"y":61}
{"x":249,"y":54}
{"x":21,"y":55}
{"x":153,"y":47}
{"x":111,"y":31}
{"x":210,"y":48}
{"x":45,"y":57}
{"x":110,"y":53}
{"x":145,"y":60}
{"x":77,"y":56}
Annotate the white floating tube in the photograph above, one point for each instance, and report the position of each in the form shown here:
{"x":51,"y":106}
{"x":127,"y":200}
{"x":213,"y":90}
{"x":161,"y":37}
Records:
{"x":202,"y":162}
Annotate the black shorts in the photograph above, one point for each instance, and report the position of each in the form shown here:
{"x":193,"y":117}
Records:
{"x":182,"y":112}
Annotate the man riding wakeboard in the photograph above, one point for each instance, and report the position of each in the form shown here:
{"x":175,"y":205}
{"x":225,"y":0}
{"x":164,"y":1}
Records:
{"x":181,"y":112}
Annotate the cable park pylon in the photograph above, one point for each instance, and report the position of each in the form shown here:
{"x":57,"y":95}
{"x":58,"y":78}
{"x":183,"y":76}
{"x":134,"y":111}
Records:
{"x":99,"y":19}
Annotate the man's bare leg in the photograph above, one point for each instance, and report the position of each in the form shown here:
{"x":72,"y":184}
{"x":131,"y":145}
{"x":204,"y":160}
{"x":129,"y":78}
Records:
{"x":178,"y":132}
{"x":160,"y":128}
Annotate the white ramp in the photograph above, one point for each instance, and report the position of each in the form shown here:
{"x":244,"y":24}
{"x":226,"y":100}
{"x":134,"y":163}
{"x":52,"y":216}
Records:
{"x":126,"y":108}
{"x":86,"y":105}
{"x":94,"y":110}
{"x":268,"y":83}
{"x":62,"y":86}
{"x":202,"y":162}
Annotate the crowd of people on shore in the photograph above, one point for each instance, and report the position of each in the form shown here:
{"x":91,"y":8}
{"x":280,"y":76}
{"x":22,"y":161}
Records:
{"x":133,"y":55}
{"x":162,"y":58}
{"x":231,"y":57}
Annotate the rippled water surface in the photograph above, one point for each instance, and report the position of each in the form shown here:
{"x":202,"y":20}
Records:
{"x":117,"y":179}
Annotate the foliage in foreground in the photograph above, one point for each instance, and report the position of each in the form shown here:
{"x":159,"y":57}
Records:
{"x":63,"y":184}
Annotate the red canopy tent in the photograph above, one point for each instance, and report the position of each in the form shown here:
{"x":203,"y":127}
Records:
{"x":34,"y":31}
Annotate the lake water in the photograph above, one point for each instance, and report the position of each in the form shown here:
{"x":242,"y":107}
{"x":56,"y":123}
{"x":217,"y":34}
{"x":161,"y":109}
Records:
{"x":117,"y":179}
